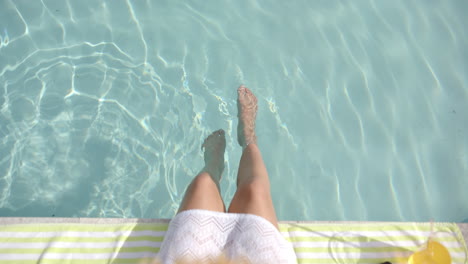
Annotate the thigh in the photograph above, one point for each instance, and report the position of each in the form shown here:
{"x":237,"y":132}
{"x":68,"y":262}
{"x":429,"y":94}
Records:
{"x":254,"y":198}
{"x":202,"y":193}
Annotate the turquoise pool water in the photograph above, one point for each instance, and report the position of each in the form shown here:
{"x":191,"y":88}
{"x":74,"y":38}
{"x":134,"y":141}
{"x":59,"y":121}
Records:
{"x":363,"y":111}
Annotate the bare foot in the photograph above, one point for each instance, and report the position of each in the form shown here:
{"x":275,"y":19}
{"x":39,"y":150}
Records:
{"x":215,"y":145}
{"x":247,"y":112}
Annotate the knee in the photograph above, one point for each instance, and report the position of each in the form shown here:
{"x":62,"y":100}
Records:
{"x":202,"y":181}
{"x":254,"y":191}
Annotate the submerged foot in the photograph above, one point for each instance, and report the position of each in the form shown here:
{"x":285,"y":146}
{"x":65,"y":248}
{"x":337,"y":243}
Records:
{"x":247,"y":112}
{"x":214,"y":145}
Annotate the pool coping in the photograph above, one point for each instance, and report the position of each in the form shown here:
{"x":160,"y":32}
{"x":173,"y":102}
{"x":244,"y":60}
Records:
{"x":57,"y":220}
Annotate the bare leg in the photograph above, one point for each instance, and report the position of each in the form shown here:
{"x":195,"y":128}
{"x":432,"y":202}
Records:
{"x":203,"y":192}
{"x":253,"y":186}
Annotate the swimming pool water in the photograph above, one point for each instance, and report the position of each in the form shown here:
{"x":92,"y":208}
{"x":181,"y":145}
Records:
{"x":363,"y":110}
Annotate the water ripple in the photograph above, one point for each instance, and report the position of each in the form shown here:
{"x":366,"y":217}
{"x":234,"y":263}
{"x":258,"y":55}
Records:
{"x":103,"y":106}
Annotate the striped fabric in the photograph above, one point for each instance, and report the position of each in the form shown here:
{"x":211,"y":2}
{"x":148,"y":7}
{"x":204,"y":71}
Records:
{"x":105,"y":241}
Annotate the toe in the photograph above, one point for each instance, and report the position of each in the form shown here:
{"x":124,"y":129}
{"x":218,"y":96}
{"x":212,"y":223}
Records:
{"x":247,"y":91}
{"x":242,"y":90}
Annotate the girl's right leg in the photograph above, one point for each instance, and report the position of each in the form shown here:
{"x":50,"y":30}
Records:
{"x":253,"y":186}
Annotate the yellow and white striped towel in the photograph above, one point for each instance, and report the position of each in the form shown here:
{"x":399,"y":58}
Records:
{"x":34,"y":240}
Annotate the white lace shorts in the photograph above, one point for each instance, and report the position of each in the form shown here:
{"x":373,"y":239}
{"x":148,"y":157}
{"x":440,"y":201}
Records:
{"x":205,"y":235}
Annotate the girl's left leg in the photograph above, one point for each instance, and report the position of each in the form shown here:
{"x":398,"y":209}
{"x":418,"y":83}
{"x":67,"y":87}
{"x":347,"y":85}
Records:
{"x":203,"y":192}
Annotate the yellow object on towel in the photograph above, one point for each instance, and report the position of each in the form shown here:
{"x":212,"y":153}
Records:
{"x":433,"y":253}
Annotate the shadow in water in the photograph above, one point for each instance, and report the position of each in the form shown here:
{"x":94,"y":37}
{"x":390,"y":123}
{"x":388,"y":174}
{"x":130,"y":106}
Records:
{"x":96,"y":151}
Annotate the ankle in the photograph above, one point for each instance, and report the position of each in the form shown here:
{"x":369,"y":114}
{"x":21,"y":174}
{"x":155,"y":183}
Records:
{"x":251,"y":141}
